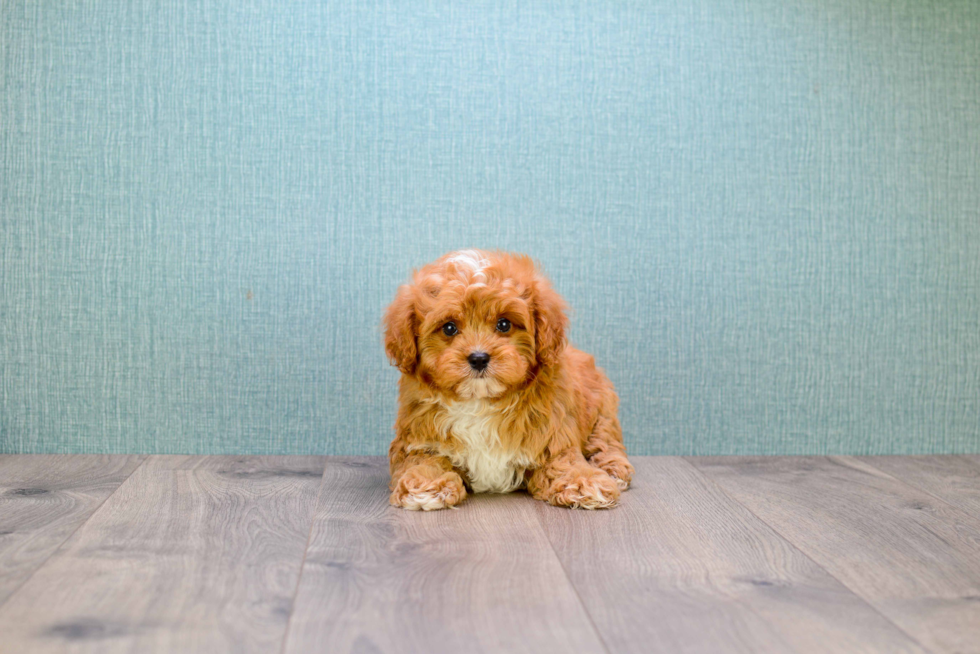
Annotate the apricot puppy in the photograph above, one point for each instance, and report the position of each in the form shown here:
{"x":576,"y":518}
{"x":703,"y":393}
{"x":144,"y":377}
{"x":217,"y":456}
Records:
{"x":491,"y":397}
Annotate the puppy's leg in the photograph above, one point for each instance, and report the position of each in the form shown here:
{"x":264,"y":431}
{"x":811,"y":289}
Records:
{"x":604,"y":449}
{"x":424,"y":482}
{"x":567,"y":479}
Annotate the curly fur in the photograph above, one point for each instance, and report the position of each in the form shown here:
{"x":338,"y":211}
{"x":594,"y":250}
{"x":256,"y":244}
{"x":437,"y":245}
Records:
{"x":541,"y":416}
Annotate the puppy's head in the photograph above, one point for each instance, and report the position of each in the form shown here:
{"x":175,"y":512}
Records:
{"x":476,"y":324}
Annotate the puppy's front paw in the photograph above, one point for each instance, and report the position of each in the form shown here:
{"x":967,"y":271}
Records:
{"x":416,"y":493}
{"x":590,"y":490}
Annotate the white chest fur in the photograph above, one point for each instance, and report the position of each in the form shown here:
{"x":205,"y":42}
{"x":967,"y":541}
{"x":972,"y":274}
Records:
{"x":490,"y":467}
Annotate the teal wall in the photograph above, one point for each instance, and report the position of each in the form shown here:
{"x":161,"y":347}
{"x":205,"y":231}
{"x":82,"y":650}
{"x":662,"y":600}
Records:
{"x":765,"y":213}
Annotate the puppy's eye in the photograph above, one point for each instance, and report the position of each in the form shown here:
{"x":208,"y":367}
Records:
{"x":449,"y":329}
{"x":503,"y":325}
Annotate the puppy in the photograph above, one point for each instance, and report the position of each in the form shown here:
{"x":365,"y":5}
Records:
{"x":491,"y":397}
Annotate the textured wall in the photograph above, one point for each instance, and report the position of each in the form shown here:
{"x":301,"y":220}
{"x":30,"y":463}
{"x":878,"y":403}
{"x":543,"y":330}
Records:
{"x":766,"y":213}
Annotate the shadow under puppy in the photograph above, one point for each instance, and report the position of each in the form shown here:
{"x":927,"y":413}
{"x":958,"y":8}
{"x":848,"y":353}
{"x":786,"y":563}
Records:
{"x":491,"y":397}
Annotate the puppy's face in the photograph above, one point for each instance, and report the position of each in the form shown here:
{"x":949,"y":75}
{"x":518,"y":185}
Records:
{"x":475,"y":324}
{"x":476,"y":346}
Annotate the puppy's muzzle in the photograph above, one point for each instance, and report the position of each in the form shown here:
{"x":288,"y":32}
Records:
{"x":479,"y":361}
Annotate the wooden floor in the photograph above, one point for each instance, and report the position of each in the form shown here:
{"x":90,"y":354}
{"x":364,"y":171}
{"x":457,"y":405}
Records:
{"x":302,"y":554}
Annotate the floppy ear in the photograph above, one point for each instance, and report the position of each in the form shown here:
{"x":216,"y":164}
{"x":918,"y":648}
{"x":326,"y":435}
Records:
{"x":400,"y":324}
{"x":550,"y":323}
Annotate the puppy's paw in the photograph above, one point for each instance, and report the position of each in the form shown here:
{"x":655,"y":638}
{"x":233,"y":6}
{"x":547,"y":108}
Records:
{"x":417,"y":493}
{"x":622,"y":472}
{"x":616,"y":466}
{"x":585,"y":490}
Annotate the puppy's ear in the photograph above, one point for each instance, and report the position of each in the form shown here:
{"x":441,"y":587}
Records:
{"x":550,"y":323}
{"x":400,"y":336}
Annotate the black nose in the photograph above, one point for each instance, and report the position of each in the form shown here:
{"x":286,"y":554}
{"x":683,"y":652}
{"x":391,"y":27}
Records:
{"x":478,"y":360}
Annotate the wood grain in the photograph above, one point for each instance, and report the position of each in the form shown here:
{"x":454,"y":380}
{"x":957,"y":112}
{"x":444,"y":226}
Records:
{"x":954,"y":479}
{"x":681,"y":567}
{"x":913,"y":557}
{"x":43,"y":500}
{"x":191,"y":554}
{"x":482,"y":578}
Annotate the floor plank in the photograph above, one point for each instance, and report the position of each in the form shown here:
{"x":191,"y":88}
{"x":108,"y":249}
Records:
{"x":681,"y":567}
{"x":480,"y":578}
{"x":43,"y":499}
{"x":954,"y":479}
{"x":191,"y":554}
{"x":913,"y":557}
